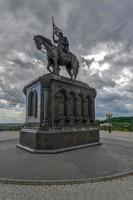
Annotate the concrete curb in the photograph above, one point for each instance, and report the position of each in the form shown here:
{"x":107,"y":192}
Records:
{"x":55,"y":151}
{"x":65,"y":182}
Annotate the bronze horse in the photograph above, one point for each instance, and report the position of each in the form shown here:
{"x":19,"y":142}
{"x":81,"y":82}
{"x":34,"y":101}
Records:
{"x":56,"y":59}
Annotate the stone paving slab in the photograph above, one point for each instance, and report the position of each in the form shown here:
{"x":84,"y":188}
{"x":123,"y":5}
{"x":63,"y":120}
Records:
{"x":118,"y":135}
{"x":8,"y":135}
{"x":121,"y":189}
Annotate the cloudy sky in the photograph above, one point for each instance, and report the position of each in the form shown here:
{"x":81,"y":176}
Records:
{"x":100,"y":33}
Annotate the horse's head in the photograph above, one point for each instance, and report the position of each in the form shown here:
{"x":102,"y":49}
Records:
{"x":38,"y":41}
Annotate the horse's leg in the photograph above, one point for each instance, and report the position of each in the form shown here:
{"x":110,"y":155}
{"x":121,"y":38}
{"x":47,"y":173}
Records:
{"x":74,"y":66}
{"x":76,"y":69}
{"x":48,"y":67}
{"x":56,"y":68}
{"x":68,"y":68}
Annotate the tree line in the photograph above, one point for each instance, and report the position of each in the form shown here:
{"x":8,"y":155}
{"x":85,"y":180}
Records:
{"x":117,"y":123}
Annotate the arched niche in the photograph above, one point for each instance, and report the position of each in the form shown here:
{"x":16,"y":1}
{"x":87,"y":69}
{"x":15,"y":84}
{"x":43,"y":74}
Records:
{"x":32,"y":104}
{"x":87,"y":104}
{"x":80,"y":105}
{"x":91,"y":108}
{"x":72,"y":104}
{"x":60,"y":103}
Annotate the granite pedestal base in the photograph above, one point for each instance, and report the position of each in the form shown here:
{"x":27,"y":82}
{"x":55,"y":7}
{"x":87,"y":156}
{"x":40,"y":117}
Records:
{"x":60,"y":115}
{"x":56,"y":141}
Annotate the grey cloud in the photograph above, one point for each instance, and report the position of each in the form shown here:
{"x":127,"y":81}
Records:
{"x":100,"y":83}
{"x":87,"y":24}
{"x":87,"y":62}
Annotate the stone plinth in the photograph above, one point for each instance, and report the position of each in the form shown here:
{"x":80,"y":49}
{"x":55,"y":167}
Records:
{"x":60,"y":114}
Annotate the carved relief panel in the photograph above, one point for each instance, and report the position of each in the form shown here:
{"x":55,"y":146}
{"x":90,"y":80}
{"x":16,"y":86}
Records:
{"x":71,"y":105}
{"x":60,"y":104}
{"x":86,"y":107}
{"x":79,"y":106}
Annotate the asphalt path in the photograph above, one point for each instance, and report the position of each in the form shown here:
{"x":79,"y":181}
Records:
{"x":114,"y":156}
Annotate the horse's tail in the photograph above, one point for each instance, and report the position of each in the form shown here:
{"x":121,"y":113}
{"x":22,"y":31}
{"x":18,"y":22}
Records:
{"x":74,"y":65}
{"x":76,"y":70}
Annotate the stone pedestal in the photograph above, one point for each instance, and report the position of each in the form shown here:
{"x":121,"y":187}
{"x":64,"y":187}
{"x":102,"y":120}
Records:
{"x":60,"y":115}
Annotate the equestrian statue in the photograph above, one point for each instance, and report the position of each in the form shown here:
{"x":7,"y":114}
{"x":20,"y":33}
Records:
{"x":58,"y":54}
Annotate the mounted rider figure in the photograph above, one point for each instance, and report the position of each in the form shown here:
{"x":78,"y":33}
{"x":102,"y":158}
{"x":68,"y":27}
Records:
{"x":58,"y":54}
{"x":62,"y":41}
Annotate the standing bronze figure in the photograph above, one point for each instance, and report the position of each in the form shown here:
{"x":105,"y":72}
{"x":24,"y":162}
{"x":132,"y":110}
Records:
{"x":58,"y":54}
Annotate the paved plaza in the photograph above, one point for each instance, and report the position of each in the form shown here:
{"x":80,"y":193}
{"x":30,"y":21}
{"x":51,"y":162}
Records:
{"x":119,"y":189}
{"x":112,"y":190}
